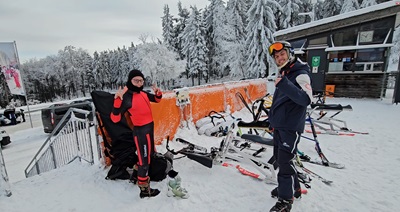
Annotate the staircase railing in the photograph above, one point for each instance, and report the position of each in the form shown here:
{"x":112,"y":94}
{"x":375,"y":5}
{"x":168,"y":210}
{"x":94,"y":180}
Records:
{"x":70,"y":140}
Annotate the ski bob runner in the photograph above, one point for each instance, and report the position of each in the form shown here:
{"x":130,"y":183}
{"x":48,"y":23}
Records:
{"x":287,"y":116}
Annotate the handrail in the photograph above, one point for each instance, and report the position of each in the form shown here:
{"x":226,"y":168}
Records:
{"x":60,"y":126}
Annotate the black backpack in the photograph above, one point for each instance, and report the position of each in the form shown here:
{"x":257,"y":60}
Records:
{"x":159,"y":167}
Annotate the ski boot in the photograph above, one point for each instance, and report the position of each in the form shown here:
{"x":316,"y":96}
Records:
{"x":175,"y":189}
{"x":296,"y":195}
{"x":282,"y":206}
{"x":145,"y":190}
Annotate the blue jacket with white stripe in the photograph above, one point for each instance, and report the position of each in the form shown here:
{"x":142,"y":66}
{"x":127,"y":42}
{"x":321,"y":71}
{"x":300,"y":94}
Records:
{"x":290,"y":100}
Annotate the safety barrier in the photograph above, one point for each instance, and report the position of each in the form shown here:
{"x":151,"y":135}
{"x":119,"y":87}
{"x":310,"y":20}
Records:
{"x":203,"y":99}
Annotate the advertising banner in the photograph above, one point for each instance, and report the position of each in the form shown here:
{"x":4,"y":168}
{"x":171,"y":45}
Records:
{"x":9,"y":66}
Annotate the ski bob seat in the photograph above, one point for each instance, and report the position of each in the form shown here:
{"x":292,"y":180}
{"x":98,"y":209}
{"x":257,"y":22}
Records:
{"x":258,"y":139}
{"x":333,"y":107}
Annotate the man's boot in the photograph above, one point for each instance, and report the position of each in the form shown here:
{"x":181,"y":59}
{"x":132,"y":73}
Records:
{"x":145,"y":190}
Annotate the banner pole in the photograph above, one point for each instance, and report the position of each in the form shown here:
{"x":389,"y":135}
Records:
{"x":22,"y":81}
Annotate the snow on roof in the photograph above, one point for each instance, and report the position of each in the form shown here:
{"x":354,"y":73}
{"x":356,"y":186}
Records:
{"x":366,"y":10}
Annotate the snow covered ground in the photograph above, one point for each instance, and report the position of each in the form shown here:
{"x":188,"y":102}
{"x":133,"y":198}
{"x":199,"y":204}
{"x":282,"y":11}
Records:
{"x":368,"y":183}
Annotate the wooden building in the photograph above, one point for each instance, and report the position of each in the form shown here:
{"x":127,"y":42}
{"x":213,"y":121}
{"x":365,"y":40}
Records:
{"x":348,"y":52}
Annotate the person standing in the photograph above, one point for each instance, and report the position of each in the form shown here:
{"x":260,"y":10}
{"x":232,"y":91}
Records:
{"x":287,"y":116}
{"x":136,"y":102}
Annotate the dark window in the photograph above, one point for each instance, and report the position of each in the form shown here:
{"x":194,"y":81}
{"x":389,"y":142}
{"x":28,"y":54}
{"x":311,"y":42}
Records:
{"x":380,"y":35}
{"x":359,"y":67}
{"x":318,"y":42}
{"x":371,"y":55}
{"x":379,"y":24}
{"x":378,"y":67}
{"x":298,"y":43}
{"x":345,"y":38}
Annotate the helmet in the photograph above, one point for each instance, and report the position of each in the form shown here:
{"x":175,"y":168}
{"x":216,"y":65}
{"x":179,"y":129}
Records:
{"x":278,"y":46}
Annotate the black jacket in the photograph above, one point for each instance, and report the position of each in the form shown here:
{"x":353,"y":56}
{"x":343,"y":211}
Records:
{"x":292,"y":96}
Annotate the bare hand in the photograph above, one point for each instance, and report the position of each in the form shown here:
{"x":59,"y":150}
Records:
{"x":155,"y":89}
{"x":120,"y":93}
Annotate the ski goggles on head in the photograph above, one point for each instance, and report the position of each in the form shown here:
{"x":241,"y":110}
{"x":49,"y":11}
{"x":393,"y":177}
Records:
{"x":275,"y":47}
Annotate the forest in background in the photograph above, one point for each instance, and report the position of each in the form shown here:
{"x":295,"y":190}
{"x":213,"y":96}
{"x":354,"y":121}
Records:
{"x":225,"y":40}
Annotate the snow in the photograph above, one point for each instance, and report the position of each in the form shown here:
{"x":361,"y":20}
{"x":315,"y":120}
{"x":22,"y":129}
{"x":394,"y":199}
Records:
{"x":368,"y":183}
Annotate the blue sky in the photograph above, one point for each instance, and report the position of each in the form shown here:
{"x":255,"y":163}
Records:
{"x":42,"y":27}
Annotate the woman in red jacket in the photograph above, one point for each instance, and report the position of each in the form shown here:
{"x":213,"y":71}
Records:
{"x":136,"y":102}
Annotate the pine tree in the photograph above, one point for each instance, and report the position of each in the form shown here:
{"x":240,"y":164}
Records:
{"x":349,"y":5}
{"x":331,"y":8}
{"x":183,"y":15}
{"x":289,"y":14}
{"x":259,"y":36}
{"x":194,"y":46}
{"x":319,"y":10}
{"x":367,"y":3}
{"x":169,"y":38}
{"x":216,"y":35}
{"x":235,"y":53}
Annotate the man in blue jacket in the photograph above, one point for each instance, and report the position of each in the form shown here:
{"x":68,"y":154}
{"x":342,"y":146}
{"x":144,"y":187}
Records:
{"x":287,"y":116}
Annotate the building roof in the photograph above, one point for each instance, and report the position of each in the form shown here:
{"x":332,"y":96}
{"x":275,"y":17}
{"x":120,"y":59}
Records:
{"x":339,"y":21}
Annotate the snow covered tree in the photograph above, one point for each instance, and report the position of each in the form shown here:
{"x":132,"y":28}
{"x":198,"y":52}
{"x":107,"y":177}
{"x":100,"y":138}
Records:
{"x":395,"y":51}
{"x":95,"y":65}
{"x":318,"y":10}
{"x":235,"y":53}
{"x":349,"y":5}
{"x":217,"y":33}
{"x":367,"y":3}
{"x":103,"y":74}
{"x":289,"y":13}
{"x":331,"y":8}
{"x":183,"y":15}
{"x":169,"y":38}
{"x":237,"y":9}
{"x":158,"y":64}
{"x":260,"y":31}
{"x":305,"y":7}
{"x":194,"y":46}
{"x":85,"y":62}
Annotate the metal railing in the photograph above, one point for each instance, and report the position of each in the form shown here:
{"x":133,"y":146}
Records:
{"x":70,"y":140}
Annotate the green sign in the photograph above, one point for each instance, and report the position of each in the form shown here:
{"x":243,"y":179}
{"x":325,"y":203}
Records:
{"x":315,"y":61}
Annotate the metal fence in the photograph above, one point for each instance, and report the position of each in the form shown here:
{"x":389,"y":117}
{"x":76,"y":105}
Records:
{"x":70,"y":140}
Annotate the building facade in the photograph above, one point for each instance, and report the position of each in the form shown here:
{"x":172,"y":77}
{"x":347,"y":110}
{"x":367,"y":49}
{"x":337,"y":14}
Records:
{"x":348,"y":52}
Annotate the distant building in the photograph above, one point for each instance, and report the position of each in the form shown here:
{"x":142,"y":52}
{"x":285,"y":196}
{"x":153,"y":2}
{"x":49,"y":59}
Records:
{"x":349,"y":51}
